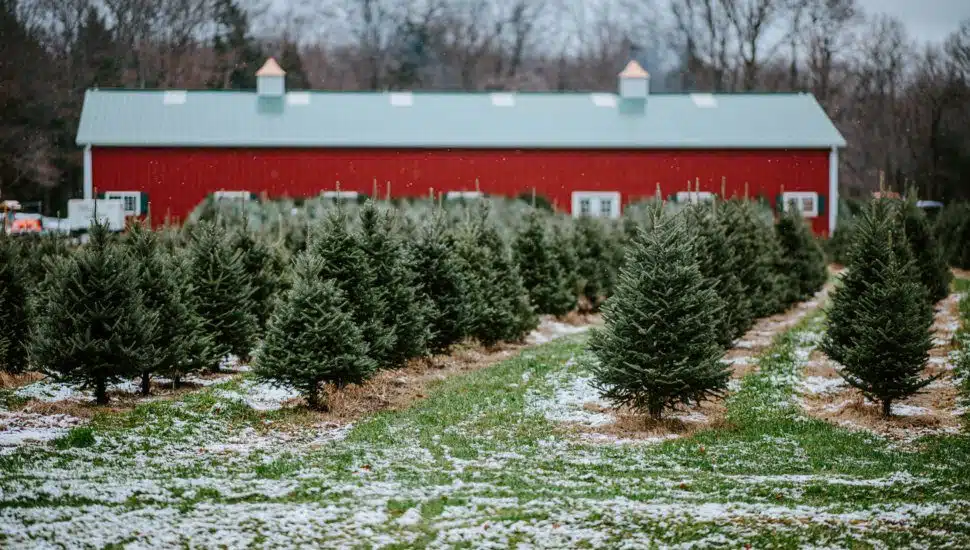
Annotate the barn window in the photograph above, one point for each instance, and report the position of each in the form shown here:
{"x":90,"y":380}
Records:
{"x":131,"y":201}
{"x":233,"y":195}
{"x":599,"y":204}
{"x":805,"y":202}
{"x":463,"y":195}
{"x":339,"y":195}
{"x":695,"y":196}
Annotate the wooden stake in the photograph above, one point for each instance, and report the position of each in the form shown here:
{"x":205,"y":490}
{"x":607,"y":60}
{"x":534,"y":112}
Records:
{"x":658,"y":195}
{"x":431,"y":195}
{"x":745,"y":190}
{"x":374,"y":193}
{"x":478,"y":188}
{"x":723,"y":187}
{"x":697,"y":188}
{"x":388,"y":191}
{"x":533,"y":197}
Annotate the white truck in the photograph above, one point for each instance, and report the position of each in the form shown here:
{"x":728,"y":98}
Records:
{"x":80,"y":214}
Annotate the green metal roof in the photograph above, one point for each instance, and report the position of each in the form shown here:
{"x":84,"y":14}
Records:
{"x":457,"y":120}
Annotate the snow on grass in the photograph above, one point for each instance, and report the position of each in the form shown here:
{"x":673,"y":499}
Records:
{"x":260,"y":396}
{"x":571,"y":398}
{"x":900,"y":409}
{"x":550,"y":329}
{"x":23,"y":428}
{"x":821,"y":384}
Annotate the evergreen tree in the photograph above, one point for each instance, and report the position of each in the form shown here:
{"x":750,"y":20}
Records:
{"x":879,"y":319}
{"x":222,"y":291}
{"x":659,"y":347}
{"x":345,"y":262}
{"x":159,"y":281}
{"x":594,"y":260}
{"x":239,"y":54}
{"x":442,"y":283}
{"x":802,"y":261}
{"x":262,"y":267}
{"x":201,"y":351}
{"x":719,"y":264}
{"x":292,"y":63}
{"x":758,"y":253}
{"x":535,"y":256}
{"x":311,"y":339}
{"x":92,"y":325}
{"x":405,"y":308}
{"x":564,"y":248}
{"x":14,"y":316}
{"x":935,"y":273}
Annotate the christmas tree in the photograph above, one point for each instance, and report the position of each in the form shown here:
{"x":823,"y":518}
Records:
{"x":563,"y":244}
{"x":594,"y":260}
{"x":263,"y":267}
{"x":930,"y":259}
{"x":658,"y":348}
{"x":311,"y":339}
{"x":535,"y":256}
{"x":879,"y":319}
{"x":222,"y":291}
{"x":802,"y":261}
{"x":758,"y":253}
{"x":406,"y":309}
{"x":92,"y":325}
{"x":719,"y":264}
{"x":345,"y":262}
{"x":14,"y":315}
{"x":441,"y":281}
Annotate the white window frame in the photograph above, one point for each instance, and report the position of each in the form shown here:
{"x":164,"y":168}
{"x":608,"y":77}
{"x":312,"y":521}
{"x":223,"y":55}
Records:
{"x":595,"y":199}
{"x":694,"y":196}
{"x":123,"y":196}
{"x":232,"y":195}
{"x":798,"y":196}
{"x":463,"y":195}
{"x":339,"y":194}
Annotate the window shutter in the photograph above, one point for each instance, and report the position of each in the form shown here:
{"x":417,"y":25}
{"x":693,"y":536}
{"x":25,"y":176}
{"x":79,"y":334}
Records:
{"x":780,"y":203}
{"x":143,"y":207}
{"x":100,"y":196}
{"x":821,"y":204}
{"x":672,"y":198}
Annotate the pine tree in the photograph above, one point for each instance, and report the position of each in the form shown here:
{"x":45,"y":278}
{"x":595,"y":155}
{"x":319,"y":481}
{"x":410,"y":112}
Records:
{"x":564,"y":248}
{"x":758,"y":253}
{"x":441,"y":281}
{"x":222,"y":291}
{"x":159,"y":281}
{"x":594,"y":260}
{"x":311,"y":339}
{"x":14,"y":312}
{"x":542,"y":276}
{"x":719,"y":264}
{"x":935,"y":274}
{"x":802,"y":262}
{"x":879,"y":319}
{"x":92,"y":325}
{"x":659,"y":347}
{"x":262,"y":266}
{"x":201,"y":351}
{"x":345,"y":262}
{"x":406,"y":309}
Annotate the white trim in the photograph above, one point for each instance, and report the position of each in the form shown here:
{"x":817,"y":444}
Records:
{"x":463,"y":195}
{"x":339,"y":194}
{"x":232,"y":195}
{"x":798,"y":196}
{"x":694,"y":196}
{"x":595,"y":199}
{"x":88,"y":176}
{"x":833,"y":189}
{"x":122,"y":195}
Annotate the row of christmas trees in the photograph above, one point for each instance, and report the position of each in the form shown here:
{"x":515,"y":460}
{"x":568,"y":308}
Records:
{"x":692,"y":282}
{"x":366,"y":290}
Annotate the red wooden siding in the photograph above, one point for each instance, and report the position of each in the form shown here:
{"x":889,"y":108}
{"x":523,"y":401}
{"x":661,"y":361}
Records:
{"x":177,"y":180}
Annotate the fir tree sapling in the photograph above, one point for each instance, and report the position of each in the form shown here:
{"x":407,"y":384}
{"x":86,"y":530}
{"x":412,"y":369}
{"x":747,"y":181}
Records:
{"x":930,"y":259}
{"x":14,"y":307}
{"x":311,"y":339}
{"x":564,"y":248}
{"x":541,"y":271}
{"x":262,"y":266}
{"x":406,"y":309}
{"x":758,"y":255}
{"x":802,"y":260}
{"x":441,"y":281}
{"x":719,"y":264}
{"x":92,"y":325}
{"x":659,"y":348}
{"x":879,"y":320}
{"x":594,"y":260}
{"x":222,"y":291}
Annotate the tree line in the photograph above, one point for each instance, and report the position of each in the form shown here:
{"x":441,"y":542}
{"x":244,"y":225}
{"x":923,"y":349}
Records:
{"x":904,"y":107}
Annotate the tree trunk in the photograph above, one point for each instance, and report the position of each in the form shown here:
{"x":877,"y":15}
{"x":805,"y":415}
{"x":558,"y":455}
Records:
{"x":887,"y":408}
{"x":146,"y":383}
{"x":177,"y":381}
{"x":101,"y":391}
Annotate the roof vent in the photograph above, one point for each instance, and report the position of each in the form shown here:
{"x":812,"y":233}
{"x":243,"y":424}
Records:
{"x":269,"y":79}
{"x":503,"y":100}
{"x":603,"y":100}
{"x":634,"y":81}
{"x":174,"y":97}
{"x":704,"y":101}
{"x":298,"y":98}
{"x":402,"y":99}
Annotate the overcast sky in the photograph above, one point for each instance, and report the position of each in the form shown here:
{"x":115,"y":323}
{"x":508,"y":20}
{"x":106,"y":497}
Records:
{"x":926,"y":20}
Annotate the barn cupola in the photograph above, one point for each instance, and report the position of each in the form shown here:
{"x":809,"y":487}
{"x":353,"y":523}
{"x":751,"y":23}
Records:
{"x":634,"y":86}
{"x":269,"y":79}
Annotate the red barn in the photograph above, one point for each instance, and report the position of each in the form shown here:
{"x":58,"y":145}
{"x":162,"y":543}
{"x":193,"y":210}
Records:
{"x":588,"y":153}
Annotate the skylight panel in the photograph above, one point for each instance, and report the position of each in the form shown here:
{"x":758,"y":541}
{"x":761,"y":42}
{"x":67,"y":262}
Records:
{"x":704,"y":101}
{"x":603,"y":100}
{"x":174,"y":97}
{"x":298,"y":98}
{"x":402,"y":99}
{"x":503,"y":100}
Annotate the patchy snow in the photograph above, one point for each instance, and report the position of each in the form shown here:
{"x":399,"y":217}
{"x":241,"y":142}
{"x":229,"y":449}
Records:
{"x":610,"y":439}
{"x":550,"y":329}
{"x":909,"y":410}
{"x":821,"y":384}
{"x":21,"y":428}
{"x":260,"y":396}
{"x":568,"y":402}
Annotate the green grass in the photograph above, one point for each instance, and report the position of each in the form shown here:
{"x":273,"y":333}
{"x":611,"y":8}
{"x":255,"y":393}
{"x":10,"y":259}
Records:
{"x":478,"y":461}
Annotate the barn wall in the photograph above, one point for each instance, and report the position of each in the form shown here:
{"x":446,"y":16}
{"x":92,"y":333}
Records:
{"x":176,"y":180}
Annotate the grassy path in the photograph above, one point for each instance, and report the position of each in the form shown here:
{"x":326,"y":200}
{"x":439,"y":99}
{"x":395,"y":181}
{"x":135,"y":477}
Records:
{"x":479,"y":465}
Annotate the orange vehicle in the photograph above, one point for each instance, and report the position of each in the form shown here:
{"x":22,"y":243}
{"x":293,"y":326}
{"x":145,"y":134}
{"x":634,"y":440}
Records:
{"x":23,"y":226}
